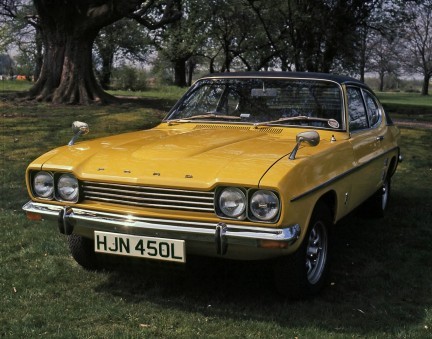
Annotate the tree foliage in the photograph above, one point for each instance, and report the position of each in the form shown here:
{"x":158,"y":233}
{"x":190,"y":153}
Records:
{"x":19,"y":29}
{"x":180,"y":41}
{"x":351,"y":37}
{"x":69,"y":29}
{"x":124,"y":39}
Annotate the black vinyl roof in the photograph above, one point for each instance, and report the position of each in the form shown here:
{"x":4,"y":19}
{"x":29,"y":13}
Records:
{"x":340,"y":79}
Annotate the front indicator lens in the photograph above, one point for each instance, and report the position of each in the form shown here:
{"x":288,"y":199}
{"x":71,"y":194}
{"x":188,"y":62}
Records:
{"x":43,"y":185}
{"x":232,"y":202}
{"x":68,"y":188}
{"x":264,"y":205}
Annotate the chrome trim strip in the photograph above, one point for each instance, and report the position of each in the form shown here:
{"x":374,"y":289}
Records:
{"x":338,"y":177}
{"x":143,"y":204}
{"x":179,"y":229}
{"x":102,"y":190}
{"x":149,"y":188}
{"x":272,"y":77}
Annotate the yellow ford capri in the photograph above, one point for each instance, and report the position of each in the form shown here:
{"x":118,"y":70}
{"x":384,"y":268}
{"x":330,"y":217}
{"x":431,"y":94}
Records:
{"x":246,"y":166}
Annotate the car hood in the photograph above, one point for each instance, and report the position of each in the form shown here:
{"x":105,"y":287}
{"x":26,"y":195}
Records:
{"x":173,"y":157}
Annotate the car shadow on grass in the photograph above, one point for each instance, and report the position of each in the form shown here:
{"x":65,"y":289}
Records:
{"x":376,"y":285}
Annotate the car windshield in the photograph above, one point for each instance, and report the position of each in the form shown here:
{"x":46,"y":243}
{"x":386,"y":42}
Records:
{"x":262,"y":101}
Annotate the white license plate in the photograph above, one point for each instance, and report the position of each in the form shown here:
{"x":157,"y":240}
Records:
{"x":138,"y":246}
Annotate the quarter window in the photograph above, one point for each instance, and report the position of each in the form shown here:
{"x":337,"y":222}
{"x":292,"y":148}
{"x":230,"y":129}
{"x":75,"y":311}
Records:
{"x":357,"y":110}
{"x":373,"y":110}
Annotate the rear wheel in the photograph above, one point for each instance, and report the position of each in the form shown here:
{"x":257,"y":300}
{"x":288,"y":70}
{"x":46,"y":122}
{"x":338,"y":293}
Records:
{"x":82,"y":250}
{"x":377,"y":204}
{"x":305,"y":272}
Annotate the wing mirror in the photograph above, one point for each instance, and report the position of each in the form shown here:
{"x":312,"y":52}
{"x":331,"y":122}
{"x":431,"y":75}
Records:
{"x":78,"y":128}
{"x":310,"y":138}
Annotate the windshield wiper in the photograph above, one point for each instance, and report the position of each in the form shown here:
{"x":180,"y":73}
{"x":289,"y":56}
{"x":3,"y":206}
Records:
{"x":205,"y":116}
{"x":330,"y":122}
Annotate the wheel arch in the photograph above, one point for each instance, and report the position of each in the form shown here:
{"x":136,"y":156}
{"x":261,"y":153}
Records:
{"x":330,"y":200}
{"x":393,"y":166}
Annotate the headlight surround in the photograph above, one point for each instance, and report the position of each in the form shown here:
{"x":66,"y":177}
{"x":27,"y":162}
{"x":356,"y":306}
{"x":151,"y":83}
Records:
{"x":264,"y":205}
{"x":67,"y":188}
{"x":43,"y":185}
{"x":232,"y":202}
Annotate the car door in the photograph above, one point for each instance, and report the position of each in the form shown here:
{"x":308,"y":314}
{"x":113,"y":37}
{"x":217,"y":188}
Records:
{"x":365,"y":138}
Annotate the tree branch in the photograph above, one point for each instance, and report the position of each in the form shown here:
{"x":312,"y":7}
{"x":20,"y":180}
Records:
{"x":170,"y":14}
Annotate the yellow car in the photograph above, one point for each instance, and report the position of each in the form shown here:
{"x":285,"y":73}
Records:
{"x":246,"y":166}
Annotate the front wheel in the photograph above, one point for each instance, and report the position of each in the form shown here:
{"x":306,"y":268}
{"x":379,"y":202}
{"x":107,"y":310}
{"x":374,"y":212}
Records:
{"x":305,"y":272}
{"x":82,"y":250}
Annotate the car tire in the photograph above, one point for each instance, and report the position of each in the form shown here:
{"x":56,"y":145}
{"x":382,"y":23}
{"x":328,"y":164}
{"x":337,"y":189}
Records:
{"x":377,"y":204}
{"x":82,"y":250}
{"x":305,"y":272}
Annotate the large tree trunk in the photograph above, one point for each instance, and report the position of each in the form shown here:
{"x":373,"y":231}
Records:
{"x":425,"y":87}
{"x":381,"y":81}
{"x":67,"y":74}
{"x":191,"y":64}
{"x":106,"y":71}
{"x":68,"y":31}
{"x":180,"y":72}
{"x":38,"y":55}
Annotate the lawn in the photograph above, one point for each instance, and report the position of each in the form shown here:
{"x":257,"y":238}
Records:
{"x":407,"y":105}
{"x":380,"y":281}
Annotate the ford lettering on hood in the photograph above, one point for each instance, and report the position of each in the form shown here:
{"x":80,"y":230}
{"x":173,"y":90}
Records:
{"x":163,"y":157}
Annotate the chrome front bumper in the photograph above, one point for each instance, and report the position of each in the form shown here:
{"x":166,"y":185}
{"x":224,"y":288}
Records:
{"x":243,"y":241}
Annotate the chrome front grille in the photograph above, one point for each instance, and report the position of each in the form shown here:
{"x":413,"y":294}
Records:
{"x":149,"y":196}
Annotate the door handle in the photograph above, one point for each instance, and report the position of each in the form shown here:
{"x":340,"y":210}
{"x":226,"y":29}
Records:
{"x":380,"y":138}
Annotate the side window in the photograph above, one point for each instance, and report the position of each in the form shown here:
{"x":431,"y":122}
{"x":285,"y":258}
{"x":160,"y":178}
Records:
{"x":357,"y":110}
{"x":373,"y":110}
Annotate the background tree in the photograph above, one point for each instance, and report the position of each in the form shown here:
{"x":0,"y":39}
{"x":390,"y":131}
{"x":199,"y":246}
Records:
{"x":69,"y":29}
{"x":6,"y":65}
{"x":380,"y":39}
{"x":384,"y":57}
{"x":124,"y":39}
{"x":218,"y":35}
{"x":270,"y":35}
{"x":19,"y":30}
{"x":180,"y":41}
{"x":228,"y":28}
{"x":418,"y":41}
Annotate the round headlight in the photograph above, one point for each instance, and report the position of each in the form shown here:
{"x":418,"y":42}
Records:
{"x":264,"y":205}
{"x":43,"y":184}
{"x":232,"y":202}
{"x":67,"y":187}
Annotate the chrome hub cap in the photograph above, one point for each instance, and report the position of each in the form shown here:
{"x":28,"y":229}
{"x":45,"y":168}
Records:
{"x":385,"y":195}
{"x":316,"y":252}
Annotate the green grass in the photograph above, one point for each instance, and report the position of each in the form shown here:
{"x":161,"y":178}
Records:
{"x":380,"y":281}
{"x":409,"y":99}
{"x":407,"y":105}
{"x":165,"y":92}
{"x":14,"y":85}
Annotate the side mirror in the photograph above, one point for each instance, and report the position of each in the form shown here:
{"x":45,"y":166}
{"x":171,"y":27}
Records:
{"x":310,"y":138}
{"x":78,"y":128}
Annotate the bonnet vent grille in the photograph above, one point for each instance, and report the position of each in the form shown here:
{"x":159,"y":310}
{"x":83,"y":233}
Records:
{"x":269,"y":130}
{"x":244,"y":128}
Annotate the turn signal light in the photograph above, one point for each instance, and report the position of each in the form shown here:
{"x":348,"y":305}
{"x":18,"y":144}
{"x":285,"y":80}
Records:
{"x":34,"y":216}
{"x":273,"y":244}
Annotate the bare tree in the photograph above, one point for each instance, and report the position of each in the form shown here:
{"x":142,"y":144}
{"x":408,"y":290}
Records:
{"x":383,"y":56}
{"x":418,"y":41}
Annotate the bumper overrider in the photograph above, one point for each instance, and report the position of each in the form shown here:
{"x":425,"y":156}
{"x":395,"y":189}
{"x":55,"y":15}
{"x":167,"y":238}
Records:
{"x":230,"y":240}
